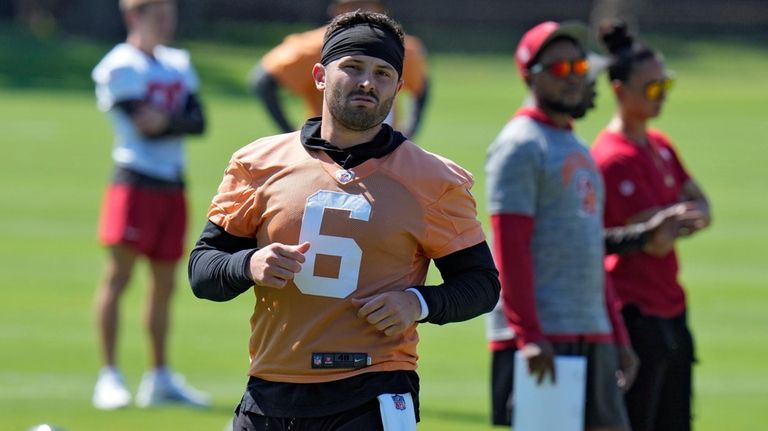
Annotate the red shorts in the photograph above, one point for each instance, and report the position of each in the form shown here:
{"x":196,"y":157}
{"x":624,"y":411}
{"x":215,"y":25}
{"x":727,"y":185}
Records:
{"x":152,"y":221}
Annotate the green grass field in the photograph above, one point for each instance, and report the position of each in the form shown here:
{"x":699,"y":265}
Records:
{"x":55,"y":163}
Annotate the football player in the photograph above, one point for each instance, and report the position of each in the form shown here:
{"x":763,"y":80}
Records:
{"x":288,"y":64}
{"x":332,"y":228}
{"x":149,"y":92}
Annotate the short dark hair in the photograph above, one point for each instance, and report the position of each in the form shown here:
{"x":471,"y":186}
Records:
{"x":351,"y":19}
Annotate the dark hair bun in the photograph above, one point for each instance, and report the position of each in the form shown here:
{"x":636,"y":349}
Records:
{"x":615,"y":36}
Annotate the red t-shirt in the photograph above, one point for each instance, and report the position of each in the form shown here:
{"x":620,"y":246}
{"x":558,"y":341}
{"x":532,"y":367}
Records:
{"x":637,"y":178}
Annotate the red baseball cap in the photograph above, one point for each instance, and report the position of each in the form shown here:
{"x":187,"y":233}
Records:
{"x":535,"y":39}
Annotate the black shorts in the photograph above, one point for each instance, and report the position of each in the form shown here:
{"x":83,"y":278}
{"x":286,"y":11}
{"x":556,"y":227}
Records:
{"x":502,"y":373}
{"x":364,"y":417}
{"x":661,"y":397}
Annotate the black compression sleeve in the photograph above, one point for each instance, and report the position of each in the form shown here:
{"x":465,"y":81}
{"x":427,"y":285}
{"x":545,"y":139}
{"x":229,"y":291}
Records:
{"x":417,"y":111}
{"x":265,"y":86}
{"x":128,"y":106}
{"x":190,"y":121}
{"x":470,"y":286}
{"x":626,"y":239}
{"x":218,"y":265}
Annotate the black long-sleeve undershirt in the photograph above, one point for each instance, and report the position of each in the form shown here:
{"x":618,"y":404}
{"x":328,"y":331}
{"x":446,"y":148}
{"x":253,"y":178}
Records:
{"x":188,"y":121}
{"x":218,"y":265}
{"x":417,"y":112}
{"x":265,"y":86}
{"x":218,"y":271}
{"x":626,"y":239}
{"x":470,"y":286}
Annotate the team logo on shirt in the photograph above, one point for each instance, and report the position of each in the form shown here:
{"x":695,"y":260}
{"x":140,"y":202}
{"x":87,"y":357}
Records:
{"x":399,"y":402}
{"x":627,"y":188}
{"x":345,"y":176}
{"x":580,"y":169}
{"x":665,"y":154}
{"x":586,"y":190}
{"x":165,"y":95}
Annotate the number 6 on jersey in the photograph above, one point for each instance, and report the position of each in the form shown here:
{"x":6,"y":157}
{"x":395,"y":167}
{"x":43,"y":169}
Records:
{"x":345,"y":248}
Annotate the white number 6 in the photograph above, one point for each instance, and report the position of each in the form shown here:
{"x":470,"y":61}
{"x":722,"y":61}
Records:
{"x":345,"y":248}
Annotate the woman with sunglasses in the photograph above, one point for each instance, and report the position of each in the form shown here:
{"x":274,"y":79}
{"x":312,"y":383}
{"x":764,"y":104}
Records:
{"x":642,"y":174}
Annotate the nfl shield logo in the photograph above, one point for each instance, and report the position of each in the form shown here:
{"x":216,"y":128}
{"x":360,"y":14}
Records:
{"x":399,"y":402}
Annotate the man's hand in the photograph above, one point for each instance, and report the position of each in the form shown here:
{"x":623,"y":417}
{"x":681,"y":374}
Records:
{"x":275,"y":264}
{"x":541,"y":359}
{"x":675,"y":221}
{"x":628,"y":365}
{"x":663,"y":228}
{"x":694,"y":218}
{"x":390,"y":312}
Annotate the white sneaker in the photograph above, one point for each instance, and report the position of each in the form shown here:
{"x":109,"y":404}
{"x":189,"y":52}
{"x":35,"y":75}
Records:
{"x":163,"y":387}
{"x":110,"y":391}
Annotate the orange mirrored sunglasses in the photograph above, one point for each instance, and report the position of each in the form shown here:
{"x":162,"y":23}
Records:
{"x":562,"y":68}
{"x":655,"y":89}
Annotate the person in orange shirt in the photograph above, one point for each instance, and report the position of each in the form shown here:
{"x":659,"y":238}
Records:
{"x":288,"y":64}
{"x":333,"y":228}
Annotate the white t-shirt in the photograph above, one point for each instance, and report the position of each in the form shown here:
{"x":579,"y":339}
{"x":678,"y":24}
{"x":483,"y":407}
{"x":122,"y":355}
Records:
{"x":165,"y":80}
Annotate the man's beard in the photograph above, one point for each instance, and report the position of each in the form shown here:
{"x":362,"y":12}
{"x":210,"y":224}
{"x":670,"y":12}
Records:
{"x":562,"y":108}
{"x":586,"y":104}
{"x":357,"y":119}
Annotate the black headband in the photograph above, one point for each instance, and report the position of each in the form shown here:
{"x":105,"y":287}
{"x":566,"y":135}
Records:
{"x":364,"y":39}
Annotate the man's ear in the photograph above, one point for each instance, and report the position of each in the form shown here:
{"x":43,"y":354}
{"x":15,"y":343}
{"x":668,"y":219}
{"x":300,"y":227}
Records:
{"x":618,"y":88}
{"x":318,"y":74}
{"x":528,"y":78}
{"x":129,"y":18}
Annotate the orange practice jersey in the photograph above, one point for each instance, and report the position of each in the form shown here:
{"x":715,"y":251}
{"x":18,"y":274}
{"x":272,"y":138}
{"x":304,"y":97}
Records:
{"x":291,"y":64}
{"x":373,"y":231}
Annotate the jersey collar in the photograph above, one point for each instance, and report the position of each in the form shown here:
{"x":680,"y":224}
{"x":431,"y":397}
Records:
{"x":386,"y":141}
{"x":540,"y":116}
